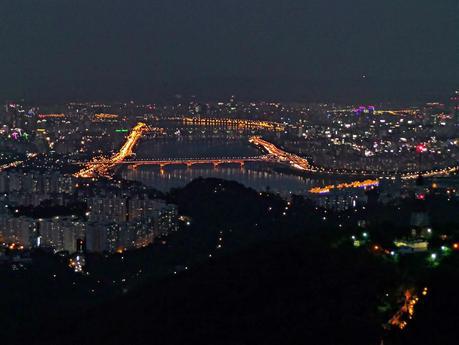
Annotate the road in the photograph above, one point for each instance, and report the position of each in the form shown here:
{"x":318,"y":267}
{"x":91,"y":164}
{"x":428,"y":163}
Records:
{"x":282,"y":156}
{"x":102,"y":166}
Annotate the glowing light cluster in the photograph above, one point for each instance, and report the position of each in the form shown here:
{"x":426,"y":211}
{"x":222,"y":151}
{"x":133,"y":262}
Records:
{"x":51,"y":116}
{"x":77,"y":263}
{"x":354,"y":184}
{"x":364,"y":109}
{"x":103,"y":116}
{"x":406,"y":312}
{"x":10,"y":165}
{"x":421,"y":148}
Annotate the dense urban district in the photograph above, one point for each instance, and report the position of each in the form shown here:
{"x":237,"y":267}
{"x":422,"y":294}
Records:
{"x":229,"y":222}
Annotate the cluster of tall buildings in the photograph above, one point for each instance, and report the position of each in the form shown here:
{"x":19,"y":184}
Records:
{"x":118,"y":221}
{"x":72,"y":233}
{"x":23,"y":187}
{"x":107,"y":219}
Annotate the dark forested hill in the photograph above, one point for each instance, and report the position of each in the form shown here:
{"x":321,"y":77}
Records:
{"x":291,"y":292}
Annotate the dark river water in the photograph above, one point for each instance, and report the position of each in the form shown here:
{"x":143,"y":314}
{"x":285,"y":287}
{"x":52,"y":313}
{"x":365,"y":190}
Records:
{"x":196,"y":148}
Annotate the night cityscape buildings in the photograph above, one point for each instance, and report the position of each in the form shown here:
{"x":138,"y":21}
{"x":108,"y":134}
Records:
{"x":75,"y":181}
{"x":244,"y":172}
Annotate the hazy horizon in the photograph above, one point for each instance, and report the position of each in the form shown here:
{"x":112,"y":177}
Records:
{"x":291,"y":50}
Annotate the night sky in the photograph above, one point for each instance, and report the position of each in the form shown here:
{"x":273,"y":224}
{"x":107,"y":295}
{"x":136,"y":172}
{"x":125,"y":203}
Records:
{"x":284,"y":49}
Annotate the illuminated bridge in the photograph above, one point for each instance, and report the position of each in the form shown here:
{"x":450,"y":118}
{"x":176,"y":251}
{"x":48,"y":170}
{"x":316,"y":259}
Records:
{"x":193,"y":161}
{"x":241,"y":123}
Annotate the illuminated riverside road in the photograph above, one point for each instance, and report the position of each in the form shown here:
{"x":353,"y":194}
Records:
{"x":10,"y":165}
{"x":16,"y":164}
{"x":282,"y":156}
{"x":354,"y":184}
{"x":102,"y":166}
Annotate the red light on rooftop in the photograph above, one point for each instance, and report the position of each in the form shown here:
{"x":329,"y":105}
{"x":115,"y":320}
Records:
{"x":420,"y":196}
{"x":421,"y":148}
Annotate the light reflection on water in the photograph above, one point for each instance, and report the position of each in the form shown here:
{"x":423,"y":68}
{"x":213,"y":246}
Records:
{"x":262,"y":180}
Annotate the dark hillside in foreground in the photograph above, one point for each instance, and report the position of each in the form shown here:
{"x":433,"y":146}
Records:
{"x":251,"y":268}
{"x":292,"y":292}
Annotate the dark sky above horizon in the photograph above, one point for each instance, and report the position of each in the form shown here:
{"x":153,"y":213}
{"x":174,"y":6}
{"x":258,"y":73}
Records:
{"x":140,"y":48}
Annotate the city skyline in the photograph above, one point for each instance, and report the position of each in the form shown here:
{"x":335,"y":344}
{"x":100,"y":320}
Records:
{"x":229,"y":172}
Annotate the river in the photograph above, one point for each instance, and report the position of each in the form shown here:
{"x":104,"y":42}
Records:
{"x":259,"y":176}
